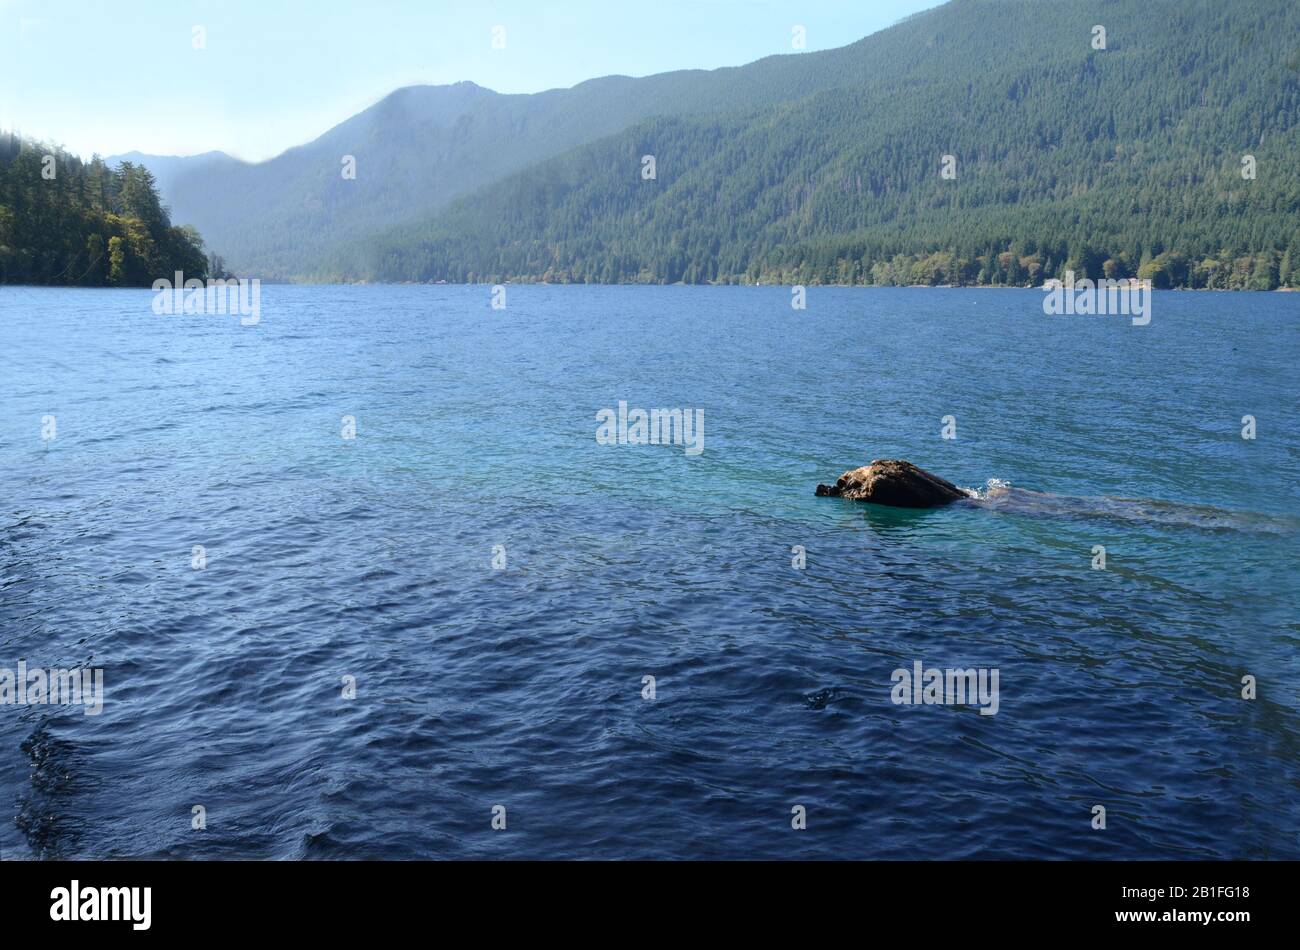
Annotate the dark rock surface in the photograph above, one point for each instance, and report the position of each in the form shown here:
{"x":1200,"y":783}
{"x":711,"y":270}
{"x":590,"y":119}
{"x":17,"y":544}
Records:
{"x":893,"y":482}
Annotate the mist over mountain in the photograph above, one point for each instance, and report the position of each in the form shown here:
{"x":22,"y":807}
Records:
{"x":1125,"y":160}
{"x":167,"y":168}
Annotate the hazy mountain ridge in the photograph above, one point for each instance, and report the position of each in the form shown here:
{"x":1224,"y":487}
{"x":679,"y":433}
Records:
{"x":167,"y":168}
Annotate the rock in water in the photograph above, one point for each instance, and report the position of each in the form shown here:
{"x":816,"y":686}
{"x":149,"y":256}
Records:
{"x":893,"y":482}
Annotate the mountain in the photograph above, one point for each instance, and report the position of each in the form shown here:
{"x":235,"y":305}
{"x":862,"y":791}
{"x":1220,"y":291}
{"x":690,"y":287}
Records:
{"x":422,"y":147}
{"x":1122,"y":161}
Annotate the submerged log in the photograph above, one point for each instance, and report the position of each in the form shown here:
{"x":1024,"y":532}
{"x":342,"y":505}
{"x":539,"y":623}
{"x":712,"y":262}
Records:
{"x":893,"y":482}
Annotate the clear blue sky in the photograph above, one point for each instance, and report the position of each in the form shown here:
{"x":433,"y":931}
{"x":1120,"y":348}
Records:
{"x":104,"y":76}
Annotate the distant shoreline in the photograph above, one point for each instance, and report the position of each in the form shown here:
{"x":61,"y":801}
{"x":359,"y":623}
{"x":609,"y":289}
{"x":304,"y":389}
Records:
{"x":541,"y":283}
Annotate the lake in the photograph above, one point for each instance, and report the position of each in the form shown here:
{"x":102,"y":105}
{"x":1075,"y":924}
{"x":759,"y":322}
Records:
{"x":360,"y":573}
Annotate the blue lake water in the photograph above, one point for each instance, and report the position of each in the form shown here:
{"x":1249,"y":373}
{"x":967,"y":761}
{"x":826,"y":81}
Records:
{"x":522,"y":687}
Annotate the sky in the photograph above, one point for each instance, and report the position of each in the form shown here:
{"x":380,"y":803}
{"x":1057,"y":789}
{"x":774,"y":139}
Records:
{"x":112,"y":76}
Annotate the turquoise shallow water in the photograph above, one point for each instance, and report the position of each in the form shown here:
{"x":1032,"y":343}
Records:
{"x":372,"y":558}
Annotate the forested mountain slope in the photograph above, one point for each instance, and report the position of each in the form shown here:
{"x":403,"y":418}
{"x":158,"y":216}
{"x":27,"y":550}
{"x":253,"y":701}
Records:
{"x":423,"y":146}
{"x":1124,"y":161}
